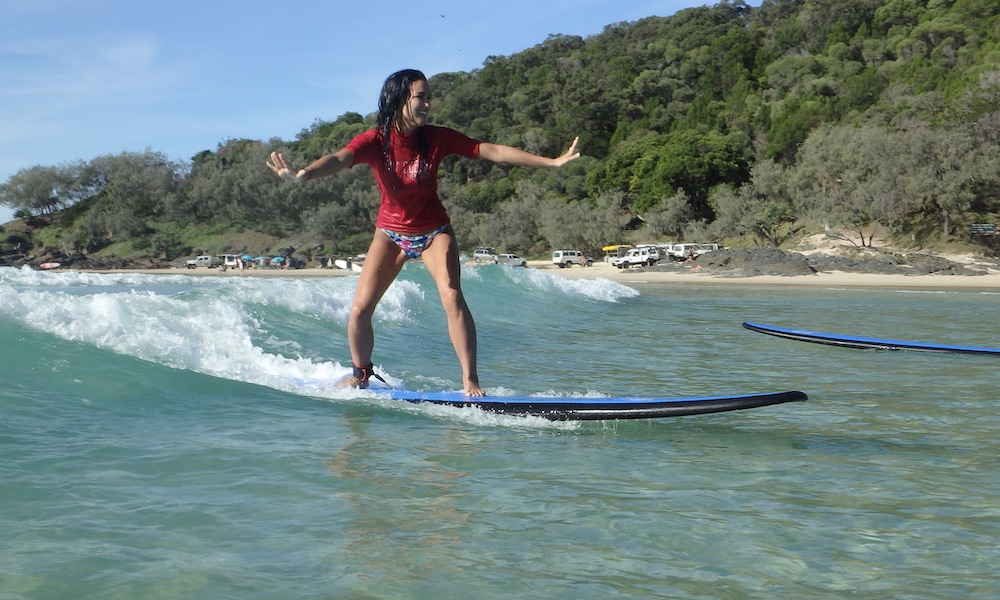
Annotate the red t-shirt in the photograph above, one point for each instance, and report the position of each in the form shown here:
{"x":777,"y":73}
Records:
{"x":410,"y":203}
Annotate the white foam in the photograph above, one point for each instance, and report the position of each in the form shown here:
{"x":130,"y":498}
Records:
{"x":600,"y":289}
{"x":220,"y":326}
{"x":209,"y":336}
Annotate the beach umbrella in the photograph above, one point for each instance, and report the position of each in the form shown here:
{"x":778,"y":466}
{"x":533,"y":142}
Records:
{"x":277,"y":259}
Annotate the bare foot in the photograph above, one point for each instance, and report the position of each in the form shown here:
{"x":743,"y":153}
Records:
{"x":349,"y":382}
{"x":472,"y":389}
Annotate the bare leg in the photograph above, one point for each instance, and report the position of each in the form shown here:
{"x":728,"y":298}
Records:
{"x":382,"y":264}
{"x":442,"y":261}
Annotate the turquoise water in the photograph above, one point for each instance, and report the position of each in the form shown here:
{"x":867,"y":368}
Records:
{"x":182,"y":437}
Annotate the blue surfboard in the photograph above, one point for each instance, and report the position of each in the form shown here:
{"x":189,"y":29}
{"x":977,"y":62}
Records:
{"x":866,"y":343}
{"x":591,"y":409}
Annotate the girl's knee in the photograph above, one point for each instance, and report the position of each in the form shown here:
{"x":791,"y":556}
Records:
{"x":361,"y":313}
{"x":452,"y":298}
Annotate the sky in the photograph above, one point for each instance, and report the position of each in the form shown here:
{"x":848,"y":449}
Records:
{"x":86,"y":78}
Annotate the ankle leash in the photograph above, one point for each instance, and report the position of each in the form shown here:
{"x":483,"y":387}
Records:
{"x":363,"y":374}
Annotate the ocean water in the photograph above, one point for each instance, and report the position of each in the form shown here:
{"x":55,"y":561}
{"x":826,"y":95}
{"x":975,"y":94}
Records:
{"x":184,"y":437}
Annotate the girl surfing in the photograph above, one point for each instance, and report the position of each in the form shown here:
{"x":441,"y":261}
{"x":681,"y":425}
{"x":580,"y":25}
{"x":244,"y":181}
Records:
{"x":404,"y":152}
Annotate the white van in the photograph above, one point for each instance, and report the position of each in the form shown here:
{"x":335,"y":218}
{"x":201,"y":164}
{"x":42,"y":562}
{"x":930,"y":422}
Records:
{"x":568,"y":258}
{"x":691,"y":251}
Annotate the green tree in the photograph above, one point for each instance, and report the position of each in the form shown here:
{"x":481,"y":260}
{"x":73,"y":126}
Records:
{"x":762,"y":207}
{"x":852,"y":177}
{"x":42,"y":190}
{"x":565,"y":225}
{"x":607,"y":217}
{"x":513,"y":225}
{"x":669,"y":217}
{"x":326,"y":137}
{"x":128,"y":191}
{"x":946,"y":166}
{"x":689,"y":160}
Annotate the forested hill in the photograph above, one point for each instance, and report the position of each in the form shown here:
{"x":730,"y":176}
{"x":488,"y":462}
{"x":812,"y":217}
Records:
{"x":724,"y":122}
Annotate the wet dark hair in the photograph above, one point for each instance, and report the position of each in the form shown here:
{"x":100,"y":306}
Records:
{"x":395,"y":93}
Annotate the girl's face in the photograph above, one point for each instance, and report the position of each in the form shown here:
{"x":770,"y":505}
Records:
{"x":417,"y":107}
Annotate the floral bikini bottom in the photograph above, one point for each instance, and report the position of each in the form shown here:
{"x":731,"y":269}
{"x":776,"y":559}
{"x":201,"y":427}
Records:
{"x":413,"y":245}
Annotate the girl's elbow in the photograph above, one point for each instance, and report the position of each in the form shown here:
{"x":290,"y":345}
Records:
{"x":490,"y":152}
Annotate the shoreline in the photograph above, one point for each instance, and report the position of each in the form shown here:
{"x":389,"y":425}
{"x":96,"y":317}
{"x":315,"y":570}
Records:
{"x":602,"y":270}
{"x":824,"y":279}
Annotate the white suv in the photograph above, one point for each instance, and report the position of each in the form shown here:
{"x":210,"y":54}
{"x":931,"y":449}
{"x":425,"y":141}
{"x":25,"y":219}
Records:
{"x":568,"y":258}
{"x":202,"y":261}
{"x":485,"y":255}
{"x":511,"y":259}
{"x":644,"y":255}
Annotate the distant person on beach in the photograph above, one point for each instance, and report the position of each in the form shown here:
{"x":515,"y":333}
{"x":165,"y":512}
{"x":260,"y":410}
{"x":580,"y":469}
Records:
{"x":404,"y":153}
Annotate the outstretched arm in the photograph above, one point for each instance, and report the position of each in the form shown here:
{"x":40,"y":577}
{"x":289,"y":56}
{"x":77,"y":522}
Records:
{"x":330,"y":164}
{"x":508,"y":155}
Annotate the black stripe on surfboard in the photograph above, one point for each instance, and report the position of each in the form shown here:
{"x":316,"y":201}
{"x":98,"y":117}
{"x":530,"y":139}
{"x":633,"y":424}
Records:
{"x":591,"y":409}
{"x":863,"y":343}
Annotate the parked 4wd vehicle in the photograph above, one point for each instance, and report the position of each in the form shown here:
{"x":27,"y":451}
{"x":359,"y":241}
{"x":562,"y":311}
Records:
{"x":511,"y":259}
{"x":645,"y":255}
{"x":568,"y":258}
{"x":690,"y":251}
{"x":485,"y":254}
{"x":202,"y":261}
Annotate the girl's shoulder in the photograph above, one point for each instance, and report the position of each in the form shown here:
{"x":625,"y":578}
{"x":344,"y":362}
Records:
{"x":365,"y":138}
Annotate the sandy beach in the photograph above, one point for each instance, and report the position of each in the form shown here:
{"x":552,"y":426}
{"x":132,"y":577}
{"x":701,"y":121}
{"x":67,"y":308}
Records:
{"x":679,"y":275}
{"x":693,"y":275}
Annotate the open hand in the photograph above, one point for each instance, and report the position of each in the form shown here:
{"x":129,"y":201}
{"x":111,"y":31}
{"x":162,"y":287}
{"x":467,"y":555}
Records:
{"x":570,"y":154}
{"x":280,"y":166}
